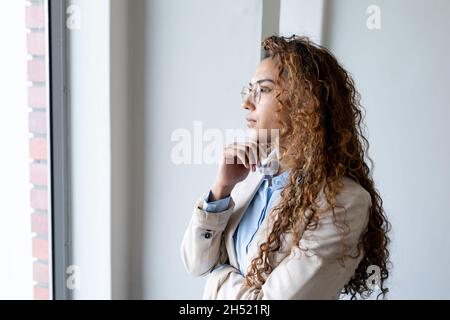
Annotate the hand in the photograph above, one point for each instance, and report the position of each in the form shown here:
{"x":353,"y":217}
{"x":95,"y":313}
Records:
{"x":237,"y":161}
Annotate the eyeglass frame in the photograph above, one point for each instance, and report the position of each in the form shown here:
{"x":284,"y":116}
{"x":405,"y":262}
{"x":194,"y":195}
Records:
{"x":248,"y":89}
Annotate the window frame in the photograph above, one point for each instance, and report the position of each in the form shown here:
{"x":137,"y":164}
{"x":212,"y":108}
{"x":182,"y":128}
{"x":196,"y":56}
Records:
{"x":59,"y":146}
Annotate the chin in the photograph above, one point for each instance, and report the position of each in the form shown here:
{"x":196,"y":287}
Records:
{"x":261,"y":135}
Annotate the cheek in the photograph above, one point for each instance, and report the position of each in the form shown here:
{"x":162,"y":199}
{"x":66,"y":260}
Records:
{"x":267,"y":117}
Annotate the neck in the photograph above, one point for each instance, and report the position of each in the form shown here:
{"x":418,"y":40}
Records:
{"x":282,"y":165}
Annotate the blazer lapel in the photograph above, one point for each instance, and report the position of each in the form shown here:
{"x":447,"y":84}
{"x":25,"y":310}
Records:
{"x":242,"y":197}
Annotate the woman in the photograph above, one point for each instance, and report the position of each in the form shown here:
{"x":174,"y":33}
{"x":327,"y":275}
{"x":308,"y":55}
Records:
{"x":317,"y":228}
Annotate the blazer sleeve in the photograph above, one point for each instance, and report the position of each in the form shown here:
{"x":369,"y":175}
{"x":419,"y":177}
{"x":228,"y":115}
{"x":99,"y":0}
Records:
{"x":203,"y":247}
{"x":315,"y":272}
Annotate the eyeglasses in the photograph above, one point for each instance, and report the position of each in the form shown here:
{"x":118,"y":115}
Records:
{"x":256,"y":90}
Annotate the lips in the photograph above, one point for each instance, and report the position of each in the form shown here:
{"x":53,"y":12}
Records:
{"x":250,"y":119}
{"x":251,"y":123}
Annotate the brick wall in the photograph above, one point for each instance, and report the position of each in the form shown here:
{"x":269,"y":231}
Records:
{"x":39,"y":170}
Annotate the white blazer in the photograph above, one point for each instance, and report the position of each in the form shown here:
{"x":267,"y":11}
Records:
{"x":315,"y":274}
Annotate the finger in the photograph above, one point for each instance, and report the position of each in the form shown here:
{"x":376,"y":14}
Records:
{"x":242,"y":155}
{"x":242,"y":158}
{"x":248,"y":153}
{"x":235,"y":154}
{"x":229,"y":154}
{"x":255,"y":152}
{"x":252,"y":153}
{"x":242,"y":151}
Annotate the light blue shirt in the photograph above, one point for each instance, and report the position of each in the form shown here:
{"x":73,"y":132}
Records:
{"x":265,"y":198}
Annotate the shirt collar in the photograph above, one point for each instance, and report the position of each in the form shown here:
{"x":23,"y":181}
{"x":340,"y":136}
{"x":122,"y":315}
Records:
{"x":278,"y":181}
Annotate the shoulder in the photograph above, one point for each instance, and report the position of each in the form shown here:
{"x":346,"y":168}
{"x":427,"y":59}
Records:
{"x":345,"y":223}
{"x":349,"y":194}
{"x":352,"y":192}
{"x":352,"y":204}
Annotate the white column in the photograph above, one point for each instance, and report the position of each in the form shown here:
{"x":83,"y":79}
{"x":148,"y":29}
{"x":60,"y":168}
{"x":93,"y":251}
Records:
{"x":302,"y":17}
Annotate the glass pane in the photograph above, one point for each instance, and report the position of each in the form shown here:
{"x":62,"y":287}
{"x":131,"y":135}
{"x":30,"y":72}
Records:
{"x":25,"y":234}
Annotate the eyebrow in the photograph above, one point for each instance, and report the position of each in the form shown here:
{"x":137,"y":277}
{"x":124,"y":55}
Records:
{"x":262,"y":80}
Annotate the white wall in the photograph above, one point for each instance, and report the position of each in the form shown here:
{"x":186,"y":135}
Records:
{"x":190,"y":60}
{"x":99,"y":104}
{"x":403,"y":73}
{"x":90,"y":157}
{"x":302,"y":17}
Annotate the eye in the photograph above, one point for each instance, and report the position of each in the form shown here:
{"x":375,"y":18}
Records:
{"x":265,"y":89}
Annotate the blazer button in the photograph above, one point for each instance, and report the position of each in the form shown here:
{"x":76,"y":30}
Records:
{"x":207,"y":235}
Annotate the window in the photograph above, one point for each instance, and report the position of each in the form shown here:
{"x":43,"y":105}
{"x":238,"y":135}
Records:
{"x":25,"y":188}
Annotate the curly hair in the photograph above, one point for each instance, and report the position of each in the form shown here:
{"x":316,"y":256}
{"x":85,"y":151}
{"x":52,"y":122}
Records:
{"x":326,"y":127}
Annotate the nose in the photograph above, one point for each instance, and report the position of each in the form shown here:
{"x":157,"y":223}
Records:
{"x":248,"y":104}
